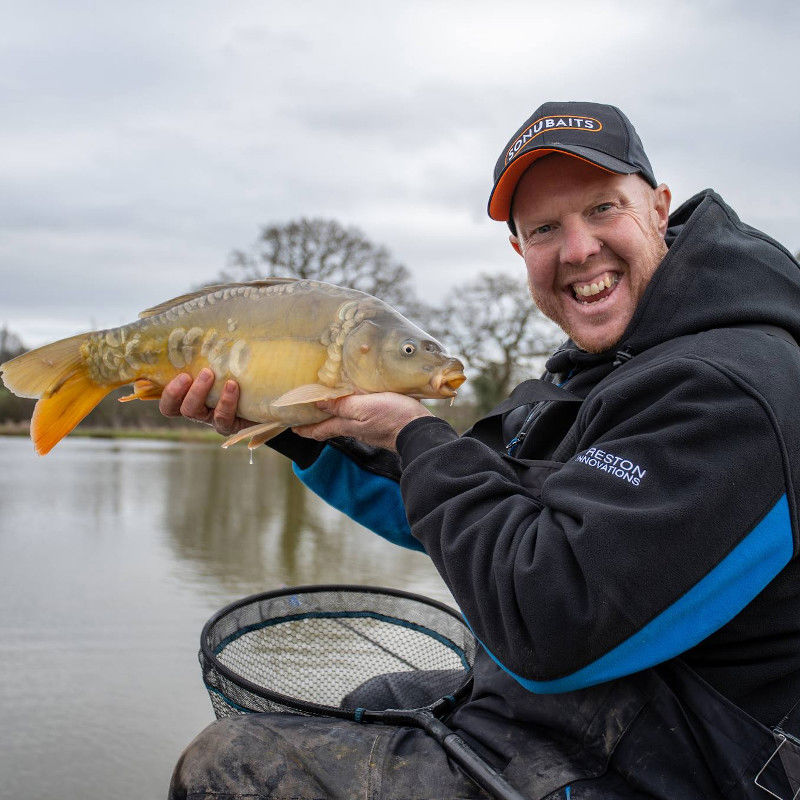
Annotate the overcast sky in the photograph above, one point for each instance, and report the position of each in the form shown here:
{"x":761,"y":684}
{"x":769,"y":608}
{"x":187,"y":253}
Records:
{"x":141,"y":142}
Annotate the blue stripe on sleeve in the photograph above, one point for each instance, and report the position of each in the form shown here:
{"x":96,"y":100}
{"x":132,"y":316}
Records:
{"x":371,"y":500}
{"x":707,"y":606}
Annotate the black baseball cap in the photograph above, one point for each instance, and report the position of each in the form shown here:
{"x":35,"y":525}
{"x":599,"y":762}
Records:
{"x":594,"y":132}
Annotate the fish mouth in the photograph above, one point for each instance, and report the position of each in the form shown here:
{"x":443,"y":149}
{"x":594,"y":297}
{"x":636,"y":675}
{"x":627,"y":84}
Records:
{"x":446,"y":382}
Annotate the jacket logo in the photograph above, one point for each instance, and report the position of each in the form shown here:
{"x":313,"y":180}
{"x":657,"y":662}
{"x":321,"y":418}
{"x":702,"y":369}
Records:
{"x":552,"y":123}
{"x":614,"y":465}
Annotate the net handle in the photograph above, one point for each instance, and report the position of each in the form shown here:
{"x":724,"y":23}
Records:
{"x":481,"y":773}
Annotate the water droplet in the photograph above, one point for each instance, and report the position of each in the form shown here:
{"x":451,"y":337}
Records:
{"x":251,"y":456}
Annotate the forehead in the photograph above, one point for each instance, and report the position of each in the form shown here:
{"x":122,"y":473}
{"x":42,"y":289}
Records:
{"x":559,"y":182}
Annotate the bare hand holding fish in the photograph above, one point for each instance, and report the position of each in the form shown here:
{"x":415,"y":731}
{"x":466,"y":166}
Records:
{"x":374,"y":419}
{"x":184,"y":397}
{"x":288,"y":345}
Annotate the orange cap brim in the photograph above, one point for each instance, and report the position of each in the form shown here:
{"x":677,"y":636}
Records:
{"x":503,"y":192}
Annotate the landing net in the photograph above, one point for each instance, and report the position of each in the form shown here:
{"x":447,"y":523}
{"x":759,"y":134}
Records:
{"x":335,"y":650}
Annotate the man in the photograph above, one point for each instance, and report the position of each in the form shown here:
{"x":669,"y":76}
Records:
{"x":624,"y":546}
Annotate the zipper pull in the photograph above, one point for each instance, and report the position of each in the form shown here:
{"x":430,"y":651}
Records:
{"x":621,"y":357}
{"x":515,"y":443}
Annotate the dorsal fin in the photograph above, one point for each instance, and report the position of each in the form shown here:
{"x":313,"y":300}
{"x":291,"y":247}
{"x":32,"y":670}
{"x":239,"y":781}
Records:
{"x":176,"y":301}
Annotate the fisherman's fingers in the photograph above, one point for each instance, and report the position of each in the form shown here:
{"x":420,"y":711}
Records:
{"x":183,"y":397}
{"x":224,"y":418}
{"x":373,"y":419}
{"x":194,"y":401}
{"x":321,"y":431}
{"x":378,"y":410}
{"x":173,"y":394}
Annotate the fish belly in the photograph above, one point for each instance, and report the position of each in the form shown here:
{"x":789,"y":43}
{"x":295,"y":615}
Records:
{"x":265,"y":370}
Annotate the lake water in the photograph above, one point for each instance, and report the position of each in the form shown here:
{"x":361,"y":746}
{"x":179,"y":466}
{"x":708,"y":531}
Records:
{"x":112,"y":556}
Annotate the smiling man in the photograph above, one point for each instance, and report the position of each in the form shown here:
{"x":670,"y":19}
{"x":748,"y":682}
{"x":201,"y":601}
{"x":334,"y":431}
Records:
{"x":621,"y":535}
{"x":591,"y":241}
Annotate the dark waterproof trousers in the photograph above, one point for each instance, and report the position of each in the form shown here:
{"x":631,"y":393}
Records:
{"x":659,"y":735}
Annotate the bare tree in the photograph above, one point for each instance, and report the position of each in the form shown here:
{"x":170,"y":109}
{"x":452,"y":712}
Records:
{"x":324,"y":250}
{"x":12,"y":408}
{"x":10,"y":344}
{"x":494,"y":326}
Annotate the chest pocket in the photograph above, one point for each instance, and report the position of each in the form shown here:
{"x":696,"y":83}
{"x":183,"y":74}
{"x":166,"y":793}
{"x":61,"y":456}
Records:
{"x":532,"y":473}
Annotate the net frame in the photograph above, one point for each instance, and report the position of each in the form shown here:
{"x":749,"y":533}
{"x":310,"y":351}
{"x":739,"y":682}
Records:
{"x":232,"y":692}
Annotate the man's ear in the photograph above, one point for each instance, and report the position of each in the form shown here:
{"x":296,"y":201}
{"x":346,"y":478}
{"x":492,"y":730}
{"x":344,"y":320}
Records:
{"x":515,"y":244}
{"x":662,"y":200}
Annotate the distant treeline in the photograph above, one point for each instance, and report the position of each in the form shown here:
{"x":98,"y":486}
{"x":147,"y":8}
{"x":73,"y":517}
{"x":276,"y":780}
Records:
{"x":144,"y":415}
{"x":109,"y":413}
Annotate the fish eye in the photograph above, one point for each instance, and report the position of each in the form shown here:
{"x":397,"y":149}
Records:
{"x":408,"y":348}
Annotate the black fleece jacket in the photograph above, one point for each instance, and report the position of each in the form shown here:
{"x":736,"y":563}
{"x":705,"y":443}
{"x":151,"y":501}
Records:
{"x":657,"y":518}
{"x":664,"y":519}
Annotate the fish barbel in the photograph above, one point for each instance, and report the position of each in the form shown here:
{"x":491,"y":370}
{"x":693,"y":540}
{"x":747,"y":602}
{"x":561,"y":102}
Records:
{"x":288,"y":343}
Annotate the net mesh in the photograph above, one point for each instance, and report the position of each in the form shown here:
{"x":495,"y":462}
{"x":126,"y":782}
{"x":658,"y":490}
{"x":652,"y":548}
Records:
{"x":334,"y":650}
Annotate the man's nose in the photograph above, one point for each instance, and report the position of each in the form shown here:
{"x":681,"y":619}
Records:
{"x":578,"y":242}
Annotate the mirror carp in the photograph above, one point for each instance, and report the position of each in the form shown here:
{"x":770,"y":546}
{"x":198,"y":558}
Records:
{"x":288,"y":343}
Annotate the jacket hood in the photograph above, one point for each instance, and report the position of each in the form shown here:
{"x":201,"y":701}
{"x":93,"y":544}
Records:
{"x":718,"y":272}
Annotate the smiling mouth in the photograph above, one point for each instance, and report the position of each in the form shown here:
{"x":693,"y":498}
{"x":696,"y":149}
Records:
{"x":595,"y":290}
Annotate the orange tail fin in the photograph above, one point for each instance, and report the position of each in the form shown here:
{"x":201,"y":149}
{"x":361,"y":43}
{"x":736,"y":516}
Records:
{"x":55,"y":416}
{"x":57,"y":375}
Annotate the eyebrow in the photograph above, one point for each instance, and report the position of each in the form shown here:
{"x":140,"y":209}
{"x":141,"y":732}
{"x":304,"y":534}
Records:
{"x":597,"y":198}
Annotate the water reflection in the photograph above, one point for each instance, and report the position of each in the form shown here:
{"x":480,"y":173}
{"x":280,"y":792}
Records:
{"x":256,"y":526}
{"x":218,"y":509}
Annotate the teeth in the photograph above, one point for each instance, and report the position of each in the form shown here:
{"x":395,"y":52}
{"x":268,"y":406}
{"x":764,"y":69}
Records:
{"x":587,"y":290}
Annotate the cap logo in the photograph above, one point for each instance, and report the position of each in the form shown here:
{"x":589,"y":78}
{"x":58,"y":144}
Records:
{"x":543,"y":124}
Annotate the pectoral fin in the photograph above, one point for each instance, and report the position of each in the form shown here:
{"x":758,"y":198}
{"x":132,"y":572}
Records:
{"x":258,"y":440}
{"x":258,"y":434}
{"x":311,"y":393}
{"x":143,"y":389}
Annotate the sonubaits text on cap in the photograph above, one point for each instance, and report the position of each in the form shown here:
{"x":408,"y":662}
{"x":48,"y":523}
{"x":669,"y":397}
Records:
{"x":597,"y":133}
